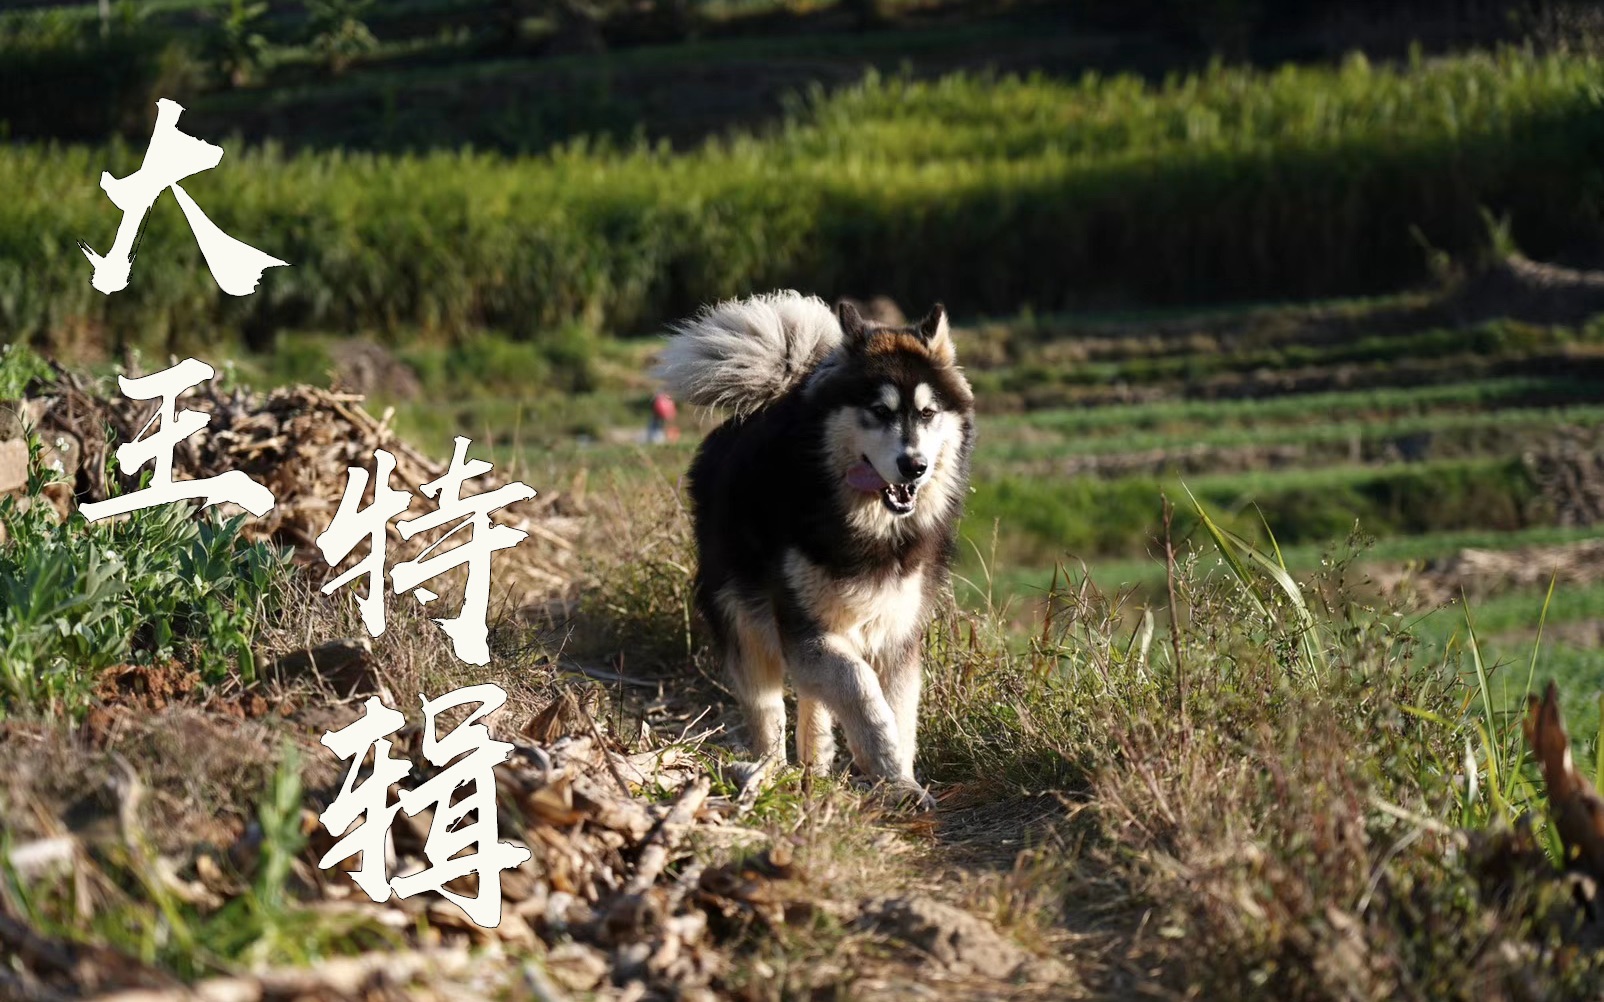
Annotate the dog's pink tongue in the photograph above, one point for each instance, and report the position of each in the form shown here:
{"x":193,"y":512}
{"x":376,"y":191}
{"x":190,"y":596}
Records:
{"x":861,"y":476}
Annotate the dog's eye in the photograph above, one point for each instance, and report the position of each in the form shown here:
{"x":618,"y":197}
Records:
{"x":927,"y":415}
{"x":881,"y":412}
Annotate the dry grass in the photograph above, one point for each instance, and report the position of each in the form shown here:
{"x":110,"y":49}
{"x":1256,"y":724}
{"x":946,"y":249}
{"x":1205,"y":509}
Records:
{"x":1212,"y":803}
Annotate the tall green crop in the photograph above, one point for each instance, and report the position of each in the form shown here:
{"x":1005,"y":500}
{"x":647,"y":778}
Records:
{"x":990,"y":194}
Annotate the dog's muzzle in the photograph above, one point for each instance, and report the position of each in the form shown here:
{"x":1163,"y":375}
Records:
{"x":898,"y":498}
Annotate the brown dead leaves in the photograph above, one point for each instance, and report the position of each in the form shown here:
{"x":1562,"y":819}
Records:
{"x":613,"y":895}
{"x":299,"y":442}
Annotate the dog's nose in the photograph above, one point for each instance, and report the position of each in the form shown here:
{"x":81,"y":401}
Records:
{"x":912,"y":465}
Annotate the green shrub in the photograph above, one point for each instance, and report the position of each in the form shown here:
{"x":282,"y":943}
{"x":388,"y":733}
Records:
{"x":235,"y":45}
{"x":19,"y":367}
{"x":1087,"y":517}
{"x":296,"y":359}
{"x":988,"y":194}
{"x":77,"y":597}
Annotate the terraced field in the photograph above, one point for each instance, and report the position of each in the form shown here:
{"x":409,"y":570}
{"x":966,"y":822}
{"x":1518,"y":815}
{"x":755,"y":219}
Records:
{"x":1163,"y":766}
{"x":1397,"y":486}
{"x":1399,"y":457}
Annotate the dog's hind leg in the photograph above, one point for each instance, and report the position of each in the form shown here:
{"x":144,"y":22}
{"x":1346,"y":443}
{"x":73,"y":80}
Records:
{"x":815,"y":735}
{"x":757,"y":675}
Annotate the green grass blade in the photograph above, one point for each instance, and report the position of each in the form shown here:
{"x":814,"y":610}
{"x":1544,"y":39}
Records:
{"x":1488,"y":725}
{"x":1598,"y":747}
{"x":1495,"y":789}
{"x":1228,"y":552}
{"x":1424,"y":714}
{"x":1542,"y":619}
{"x":1308,"y":635}
{"x":1231,"y":545}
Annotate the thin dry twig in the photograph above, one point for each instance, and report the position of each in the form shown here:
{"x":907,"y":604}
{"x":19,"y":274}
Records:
{"x":668,"y":835}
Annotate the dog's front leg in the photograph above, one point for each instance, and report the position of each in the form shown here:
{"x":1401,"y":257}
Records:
{"x":901,"y":678}
{"x":826,"y":669}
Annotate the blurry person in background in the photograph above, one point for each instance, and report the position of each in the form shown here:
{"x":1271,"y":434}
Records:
{"x":661,"y":426}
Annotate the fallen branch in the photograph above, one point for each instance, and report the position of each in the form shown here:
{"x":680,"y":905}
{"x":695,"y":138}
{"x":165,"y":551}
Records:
{"x":667,"y":837}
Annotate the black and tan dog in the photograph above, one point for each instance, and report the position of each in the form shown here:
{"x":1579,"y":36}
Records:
{"x":826,"y":513}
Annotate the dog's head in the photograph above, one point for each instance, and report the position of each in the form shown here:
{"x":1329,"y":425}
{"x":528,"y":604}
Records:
{"x":900,"y":413}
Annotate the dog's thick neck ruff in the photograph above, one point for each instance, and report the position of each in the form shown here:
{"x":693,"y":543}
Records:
{"x":855,"y":435}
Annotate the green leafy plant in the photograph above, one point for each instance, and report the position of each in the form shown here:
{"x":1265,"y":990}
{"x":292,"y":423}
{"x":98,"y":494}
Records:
{"x":19,"y":367}
{"x":236,"y":46}
{"x":338,"y":32}
{"x":266,"y":925}
{"x":77,"y":597}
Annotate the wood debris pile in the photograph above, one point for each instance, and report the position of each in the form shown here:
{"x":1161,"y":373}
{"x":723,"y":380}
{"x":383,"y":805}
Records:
{"x":597,"y":898}
{"x":618,"y":899}
{"x":299,"y":443}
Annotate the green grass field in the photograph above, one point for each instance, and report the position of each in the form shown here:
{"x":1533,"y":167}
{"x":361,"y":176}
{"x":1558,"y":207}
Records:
{"x":1228,"y":184}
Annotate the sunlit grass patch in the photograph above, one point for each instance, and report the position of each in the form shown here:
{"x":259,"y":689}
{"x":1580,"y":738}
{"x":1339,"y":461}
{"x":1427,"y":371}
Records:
{"x":1280,"y":775}
{"x":121,"y":894}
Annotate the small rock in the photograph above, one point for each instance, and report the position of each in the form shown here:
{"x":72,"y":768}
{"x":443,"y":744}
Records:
{"x":346,"y":664}
{"x":13,"y":464}
{"x":576,"y":967}
{"x":373,"y":371}
{"x":11,"y":423}
{"x":956,"y":939}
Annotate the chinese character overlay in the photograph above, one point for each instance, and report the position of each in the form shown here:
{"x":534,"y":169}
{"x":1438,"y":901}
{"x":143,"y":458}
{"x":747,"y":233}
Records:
{"x":468,"y":631}
{"x":176,"y":426}
{"x":476,"y":755}
{"x":171,"y":157}
{"x":351,"y":522}
{"x":369,"y":800}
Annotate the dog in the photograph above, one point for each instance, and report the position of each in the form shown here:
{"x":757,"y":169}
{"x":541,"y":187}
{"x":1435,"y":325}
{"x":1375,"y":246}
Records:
{"x":826,"y":510}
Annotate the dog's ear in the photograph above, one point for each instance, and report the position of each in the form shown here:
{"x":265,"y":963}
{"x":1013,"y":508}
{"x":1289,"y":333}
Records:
{"x":853,"y":325}
{"x":936,"y":335}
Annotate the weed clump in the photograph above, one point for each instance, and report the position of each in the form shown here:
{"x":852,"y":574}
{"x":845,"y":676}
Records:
{"x":76,"y":598}
{"x":1278,"y":791}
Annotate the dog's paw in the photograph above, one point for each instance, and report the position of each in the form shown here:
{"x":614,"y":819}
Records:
{"x":902,"y":794}
{"x":749,"y":778}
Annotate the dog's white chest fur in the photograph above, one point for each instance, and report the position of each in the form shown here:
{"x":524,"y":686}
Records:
{"x":872,"y":613}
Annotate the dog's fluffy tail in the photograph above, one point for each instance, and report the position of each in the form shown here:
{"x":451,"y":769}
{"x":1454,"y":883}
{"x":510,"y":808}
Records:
{"x":744,"y":353}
